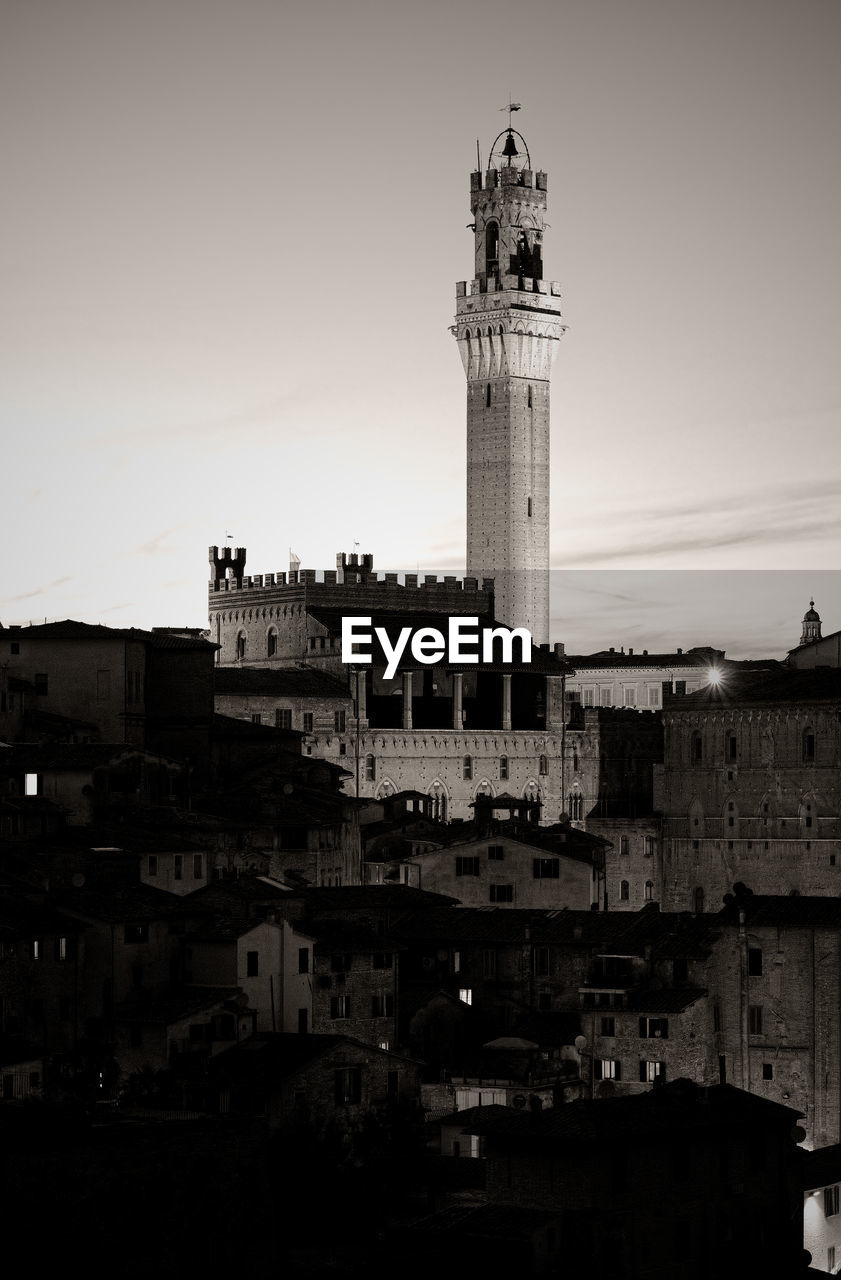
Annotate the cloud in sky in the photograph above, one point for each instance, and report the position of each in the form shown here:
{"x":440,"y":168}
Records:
{"x":788,"y":512}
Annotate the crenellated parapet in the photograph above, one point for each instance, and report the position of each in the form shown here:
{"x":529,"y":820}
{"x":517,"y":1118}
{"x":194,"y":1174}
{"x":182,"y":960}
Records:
{"x":227,"y":562}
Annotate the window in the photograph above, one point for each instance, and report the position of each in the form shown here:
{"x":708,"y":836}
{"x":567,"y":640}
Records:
{"x":608,"y":1069}
{"x":809,"y":746}
{"x":651,"y":1071}
{"x":382,"y":1006}
{"x":648,"y":892}
{"x":629,"y":695}
{"x":252,"y":964}
{"x":339,"y":721}
{"x":339,"y":1007}
{"x":543,"y":766}
{"x":256,"y":717}
{"x":467,"y":866}
{"x":624,"y":891}
{"x":648,"y":846}
{"x":303,"y":959}
{"x":680,"y":687}
{"x":754,"y":962}
{"x":340,"y":962}
{"x":456,"y":962}
{"x":348,"y":1086}
{"x":178,"y":866}
{"x":830,"y":1259}
{"x":608,"y":1026}
{"x":271,"y":643}
{"x":61,"y":948}
{"x":488,"y":963}
{"x":240,"y":646}
{"x":653,"y":696}
{"x":382,"y":960}
{"x":541,"y":962}
{"x":654,"y":1028}
{"x":699,"y":901}
{"x":283,"y":717}
{"x":496,"y":852}
{"x":530,"y":403}
{"x":492,"y":248}
{"x":767,"y":1071}
{"x":755,"y":1019}
{"x":576,"y":806}
{"x":624,"y":846}
{"x":503,"y":768}
{"x":42,"y":683}
{"x":528,"y":507}
{"x":35,"y":949}
{"x":501,"y":893}
{"x":730,"y":747}
{"x":30,"y":784}
{"x":488,"y":396}
{"x":153,"y":864}
{"x":467,"y":768}
{"x":465,"y":995}
{"x":546,"y":868}
{"x":307,"y":721}
{"x":697,"y":748}
{"x":830,"y":1201}
{"x":198,"y":870}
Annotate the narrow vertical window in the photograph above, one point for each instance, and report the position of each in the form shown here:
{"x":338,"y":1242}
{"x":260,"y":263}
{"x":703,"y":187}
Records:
{"x":530,"y":400}
{"x":488,"y":396}
{"x":529,"y":506}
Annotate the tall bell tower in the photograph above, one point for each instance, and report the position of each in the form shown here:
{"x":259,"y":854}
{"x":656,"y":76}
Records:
{"x":508,"y":322}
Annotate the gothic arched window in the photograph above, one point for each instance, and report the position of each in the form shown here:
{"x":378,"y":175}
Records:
{"x":492,"y":248}
{"x":240,"y":644}
{"x":271,"y":642}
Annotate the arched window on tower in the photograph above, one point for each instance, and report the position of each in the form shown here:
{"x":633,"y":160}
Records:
{"x":240,"y":644}
{"x":370,"y":768}
{"x":271,"y":642}
{"x":808,"y":746}
{"x":649,"y":890}
{"x":467,"y":768}
{"x":503,"y":768}
{"x":697,"y":747}
{"x":543,"y":765}
{"x":492,"y":248}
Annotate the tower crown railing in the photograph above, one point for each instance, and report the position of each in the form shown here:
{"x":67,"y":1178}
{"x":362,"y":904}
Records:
{"x":506,"y":177}
{"x":492,"y":284}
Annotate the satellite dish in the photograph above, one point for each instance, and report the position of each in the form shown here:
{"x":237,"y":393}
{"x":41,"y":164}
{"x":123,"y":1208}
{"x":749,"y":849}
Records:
{"x":580,"y":1043}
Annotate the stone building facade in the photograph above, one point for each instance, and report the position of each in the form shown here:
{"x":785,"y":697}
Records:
{"x":751,"y":788}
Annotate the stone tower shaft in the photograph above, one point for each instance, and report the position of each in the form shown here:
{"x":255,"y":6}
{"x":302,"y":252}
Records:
{"x":508,"y":322}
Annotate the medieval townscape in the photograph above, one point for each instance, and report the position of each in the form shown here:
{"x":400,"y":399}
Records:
{"x":494,"y":967}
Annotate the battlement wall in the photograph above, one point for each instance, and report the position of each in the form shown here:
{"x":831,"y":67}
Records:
{"x":507,"y":282}
{"x":508,"y":177}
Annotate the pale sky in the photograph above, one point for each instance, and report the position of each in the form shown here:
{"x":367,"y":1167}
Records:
{"x":231,"y":235}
